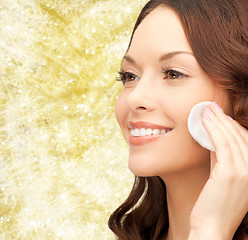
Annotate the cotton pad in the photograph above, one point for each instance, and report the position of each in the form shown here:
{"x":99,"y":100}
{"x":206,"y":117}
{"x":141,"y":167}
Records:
{"x":196,"y":128}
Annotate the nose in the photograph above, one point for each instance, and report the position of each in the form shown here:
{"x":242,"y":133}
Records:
{"x":143,"y":96}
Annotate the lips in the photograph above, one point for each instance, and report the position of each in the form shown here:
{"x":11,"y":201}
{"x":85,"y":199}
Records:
{"x":144,"y":132}
{"x":133,"y":125}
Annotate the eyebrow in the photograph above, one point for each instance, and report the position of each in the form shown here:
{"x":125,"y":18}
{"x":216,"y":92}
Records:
{"x":163,"y":57}
{"x":169,"y":55}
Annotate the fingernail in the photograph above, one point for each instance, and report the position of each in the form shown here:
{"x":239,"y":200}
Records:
{"x":217,"y":107}
{"x":229,"y":117}
{"x":208,"y":113}
{"x":206,"y":116}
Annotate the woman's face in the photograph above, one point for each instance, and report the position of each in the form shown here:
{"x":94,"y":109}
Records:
{"x":163,"y":81}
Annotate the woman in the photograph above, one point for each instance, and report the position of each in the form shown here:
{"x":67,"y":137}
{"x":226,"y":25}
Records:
{"x":183,"y":52}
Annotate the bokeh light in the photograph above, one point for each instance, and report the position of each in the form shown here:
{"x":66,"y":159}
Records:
{"x":63,"y":159}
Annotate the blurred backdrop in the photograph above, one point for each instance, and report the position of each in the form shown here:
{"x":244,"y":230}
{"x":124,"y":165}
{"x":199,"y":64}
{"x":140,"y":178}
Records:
{"x":63,"y":159}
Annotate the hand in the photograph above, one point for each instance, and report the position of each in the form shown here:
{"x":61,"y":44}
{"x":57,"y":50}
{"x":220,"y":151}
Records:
{"x":223,"y":201}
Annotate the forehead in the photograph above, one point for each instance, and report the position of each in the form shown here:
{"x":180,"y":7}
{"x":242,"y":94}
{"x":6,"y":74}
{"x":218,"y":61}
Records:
{"x":160,"y":31}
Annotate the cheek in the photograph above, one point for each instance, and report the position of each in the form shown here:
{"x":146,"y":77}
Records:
{"x":121,"y":110}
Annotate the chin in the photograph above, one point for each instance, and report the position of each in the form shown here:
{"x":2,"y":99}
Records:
{"x":141,"y":167}
{"x":145,"y":165}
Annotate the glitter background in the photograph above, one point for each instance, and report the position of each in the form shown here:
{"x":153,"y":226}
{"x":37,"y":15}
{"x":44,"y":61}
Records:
{"x":63,"y":160}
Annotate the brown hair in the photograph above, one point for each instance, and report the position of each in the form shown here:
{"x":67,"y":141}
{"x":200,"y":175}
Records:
{"x":217,"y":31}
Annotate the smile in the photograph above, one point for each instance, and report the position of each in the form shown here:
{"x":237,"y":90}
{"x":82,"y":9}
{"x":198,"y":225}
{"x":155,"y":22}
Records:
{"x":144,"y":132}
{"x":140,"y":132}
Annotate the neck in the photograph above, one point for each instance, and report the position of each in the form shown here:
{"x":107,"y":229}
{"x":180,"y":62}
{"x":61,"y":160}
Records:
{"x":183,"y":190}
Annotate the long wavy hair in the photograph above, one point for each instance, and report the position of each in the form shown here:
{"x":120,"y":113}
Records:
{"x":217,"y":31}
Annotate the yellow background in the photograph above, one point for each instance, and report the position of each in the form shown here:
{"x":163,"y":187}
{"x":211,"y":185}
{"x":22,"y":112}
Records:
{"x":63,"y":160}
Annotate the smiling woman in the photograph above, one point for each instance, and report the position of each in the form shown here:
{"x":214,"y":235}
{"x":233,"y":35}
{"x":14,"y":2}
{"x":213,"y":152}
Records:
{"x":182,"y":53}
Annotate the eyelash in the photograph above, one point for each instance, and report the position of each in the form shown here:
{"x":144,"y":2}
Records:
{"x":123,"y":76}
{"x":170,"y":70}
{"x":165,"y":70}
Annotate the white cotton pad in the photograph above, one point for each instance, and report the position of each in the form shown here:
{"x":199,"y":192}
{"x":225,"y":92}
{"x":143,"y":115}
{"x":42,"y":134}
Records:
{"x":196,"y":128}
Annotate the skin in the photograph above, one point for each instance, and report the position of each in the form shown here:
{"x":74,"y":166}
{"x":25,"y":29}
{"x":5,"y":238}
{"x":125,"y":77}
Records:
{"x":189,"y":171}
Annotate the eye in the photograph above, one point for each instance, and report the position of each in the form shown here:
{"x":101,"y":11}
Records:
{"x":127,"y":77}
{"x":172,"y":74}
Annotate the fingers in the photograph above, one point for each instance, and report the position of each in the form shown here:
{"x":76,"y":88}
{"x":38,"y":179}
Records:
{"x":229,"y":129}
{"x":218,"y":137}
{"x":229,"y":138}
{"x":243,"y":140}
{"x":241,"y":130}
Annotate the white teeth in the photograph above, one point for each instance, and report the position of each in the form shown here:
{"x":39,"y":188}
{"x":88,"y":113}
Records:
{"x":148,"y":132}
{"x":132,"y":132}
{"x":141,"y":132}
{"x":156,"y":131}
{"x":136,"y":132}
